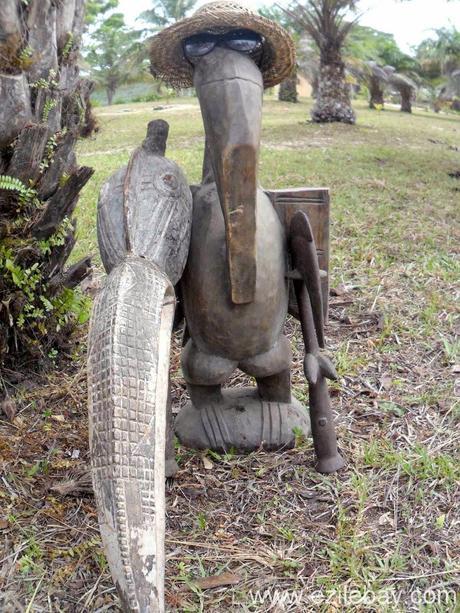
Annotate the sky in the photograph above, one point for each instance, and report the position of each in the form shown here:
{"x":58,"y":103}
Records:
{"x":410,"y":22}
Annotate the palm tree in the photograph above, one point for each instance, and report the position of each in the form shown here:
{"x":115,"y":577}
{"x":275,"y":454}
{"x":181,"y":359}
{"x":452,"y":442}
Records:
{"x":115,"y":55}
{"x":42,"y":110}
{"x":405,"y":86}
{"x":439,"y":59}
{"x":308,"y":62}
{"x":442,"y":53}
{"x":166,"y":12}
{"x":324,"y":21}
{"x":375,"y":78}
{"x":288,"y":88}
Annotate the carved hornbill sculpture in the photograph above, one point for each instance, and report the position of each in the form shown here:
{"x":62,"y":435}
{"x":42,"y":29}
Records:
{"x":227,"y":254}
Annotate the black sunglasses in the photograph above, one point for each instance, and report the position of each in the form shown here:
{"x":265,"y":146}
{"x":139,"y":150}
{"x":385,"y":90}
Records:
{"x":245,"y":41}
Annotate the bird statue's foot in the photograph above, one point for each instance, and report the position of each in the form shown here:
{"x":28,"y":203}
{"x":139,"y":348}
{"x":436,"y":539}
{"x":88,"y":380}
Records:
{"x":242,"y":421}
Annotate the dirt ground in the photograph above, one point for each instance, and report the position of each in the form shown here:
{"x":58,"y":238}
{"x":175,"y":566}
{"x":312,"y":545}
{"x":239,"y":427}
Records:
{"x":265,"y":532}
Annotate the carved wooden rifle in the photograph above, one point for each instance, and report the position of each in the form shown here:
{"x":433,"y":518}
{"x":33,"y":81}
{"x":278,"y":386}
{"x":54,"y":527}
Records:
{"x":306,"y":278}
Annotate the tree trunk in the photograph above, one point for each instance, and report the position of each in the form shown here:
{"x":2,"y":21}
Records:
{"x":288,"y":89}
{"x":333,"y":99}
{"x":315,"y":84}
{"x":406,"y":99}
{"x":110,"y":94}
{"x":376,"y":93}
{"x":42,"y":111}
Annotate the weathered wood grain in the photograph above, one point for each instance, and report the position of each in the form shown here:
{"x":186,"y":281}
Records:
{"x":71,"y":277}
{"x":28,"y":153}
{"x":64,"y":161}
{"x":146,"y":209}
{"x":225,"y":80}
{"x":315,"y":202}
{"x":129,"y":345}
{"x":15,"y":110}
{"x":41,"y":22}
{"x":158,"y":210}
{"x":62,"y":203}
{"x":9,"y":19}
{"x":64,"y":21}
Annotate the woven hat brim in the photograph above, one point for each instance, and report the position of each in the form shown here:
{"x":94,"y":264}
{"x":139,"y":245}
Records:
{"x":167,"y":61}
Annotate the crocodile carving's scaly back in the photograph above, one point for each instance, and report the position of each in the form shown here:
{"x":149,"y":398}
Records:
{"x":128,"y":379}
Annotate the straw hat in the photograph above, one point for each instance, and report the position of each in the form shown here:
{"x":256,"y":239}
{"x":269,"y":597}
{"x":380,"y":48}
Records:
{"x":167,"y":61}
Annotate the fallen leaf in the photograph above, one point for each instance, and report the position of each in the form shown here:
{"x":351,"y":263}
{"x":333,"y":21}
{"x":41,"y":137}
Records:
{"x":440,"y":521}
{"x":213,"y":581}
{"x":76,"y":486}
{"x":60,"y":418}
{"x":9,"y":408}
{"x":386,"y":381}
{"x":3,"y":524}
{"x":387,"y":519}
{"x":207,"y":463}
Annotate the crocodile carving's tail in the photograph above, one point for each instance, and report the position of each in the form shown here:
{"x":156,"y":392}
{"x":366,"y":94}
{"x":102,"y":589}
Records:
{"x":128,"y":385}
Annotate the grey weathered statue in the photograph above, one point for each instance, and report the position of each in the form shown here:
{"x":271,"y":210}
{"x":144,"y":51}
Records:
{"x":230,"y":259}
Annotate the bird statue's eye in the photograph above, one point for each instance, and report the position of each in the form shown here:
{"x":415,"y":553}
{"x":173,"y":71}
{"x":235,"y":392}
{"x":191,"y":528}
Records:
{"x":167,"y":184}
{"x":170,"y":181}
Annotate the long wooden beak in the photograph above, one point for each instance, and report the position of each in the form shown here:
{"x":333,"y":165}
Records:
{"x":229,"y":86}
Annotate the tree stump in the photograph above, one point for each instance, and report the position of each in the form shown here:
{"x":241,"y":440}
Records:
{"x":42,"y":111}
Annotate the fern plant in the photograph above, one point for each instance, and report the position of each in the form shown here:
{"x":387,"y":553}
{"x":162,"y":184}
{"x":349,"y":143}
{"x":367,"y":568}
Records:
{"x":40,"y":302}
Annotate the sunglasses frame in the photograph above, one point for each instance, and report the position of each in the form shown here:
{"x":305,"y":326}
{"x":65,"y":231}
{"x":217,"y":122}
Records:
{"x":218,"y":39}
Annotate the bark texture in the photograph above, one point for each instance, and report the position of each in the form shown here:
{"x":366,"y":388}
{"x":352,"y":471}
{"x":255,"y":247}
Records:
{"x":43,"y":110}
{"x":406,"y":89}
{"x":406,"y":99}
{"x":333,"y":97}
{"x":376,"y":93}
{"x":288,"y":89}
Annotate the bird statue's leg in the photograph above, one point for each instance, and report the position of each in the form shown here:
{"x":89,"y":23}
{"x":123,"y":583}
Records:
{"x":272,"y":371}
{"x":275,"y":388}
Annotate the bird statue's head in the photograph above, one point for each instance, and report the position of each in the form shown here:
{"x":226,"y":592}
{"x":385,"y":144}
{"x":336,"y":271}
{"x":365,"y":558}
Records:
{"x":229,"y":55}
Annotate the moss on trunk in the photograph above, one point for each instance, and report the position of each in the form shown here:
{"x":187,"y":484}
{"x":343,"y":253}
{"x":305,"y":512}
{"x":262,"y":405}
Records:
{"x":43,"y":109}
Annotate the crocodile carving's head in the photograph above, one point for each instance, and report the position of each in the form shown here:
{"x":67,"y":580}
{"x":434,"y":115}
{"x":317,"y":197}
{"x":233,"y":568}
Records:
{"x":229,"y":86}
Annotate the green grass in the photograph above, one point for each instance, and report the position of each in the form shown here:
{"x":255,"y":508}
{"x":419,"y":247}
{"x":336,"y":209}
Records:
{"x":381,"y":172}
{"x":394,"y":248}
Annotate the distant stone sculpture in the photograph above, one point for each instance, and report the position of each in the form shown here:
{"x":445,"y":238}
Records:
{"x":229,"y":258}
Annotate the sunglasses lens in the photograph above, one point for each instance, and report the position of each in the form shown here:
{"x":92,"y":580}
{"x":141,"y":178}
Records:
{"x":243,"y":40}
{"x":196,"y":46}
